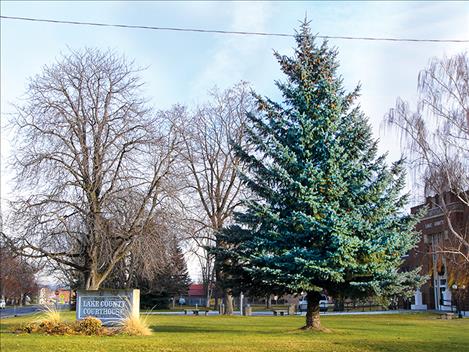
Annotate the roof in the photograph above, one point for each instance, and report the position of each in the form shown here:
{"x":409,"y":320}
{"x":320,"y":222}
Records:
{"x":196,"y":290}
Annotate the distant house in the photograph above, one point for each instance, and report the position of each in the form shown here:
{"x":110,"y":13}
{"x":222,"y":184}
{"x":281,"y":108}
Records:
{"x":49,"y":296}
{"x":196,"y":295}
{"x":448,"y":282}
{"x":63,"y":295}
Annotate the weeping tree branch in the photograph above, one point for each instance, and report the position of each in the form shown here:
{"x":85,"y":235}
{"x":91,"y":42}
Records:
{"x":436,"y":140}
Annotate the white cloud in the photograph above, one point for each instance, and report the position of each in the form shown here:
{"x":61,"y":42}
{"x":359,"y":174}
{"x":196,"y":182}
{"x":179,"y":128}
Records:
{"x":235,"y":57}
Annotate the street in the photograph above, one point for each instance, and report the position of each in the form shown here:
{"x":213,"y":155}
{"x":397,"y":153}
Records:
{"x":9,"y":311}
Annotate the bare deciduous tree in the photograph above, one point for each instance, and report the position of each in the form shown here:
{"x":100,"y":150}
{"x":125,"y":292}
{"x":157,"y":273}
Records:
{"x":213,"y":171}
{"x":93,"y":164}
{"x":150,"y":253}
{"x":437,"y":142}
{"x":17,"y":277}
{"x":200,"y":238}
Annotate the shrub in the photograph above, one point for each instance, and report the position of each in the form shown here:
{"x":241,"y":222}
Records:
{"x":48,"y":327}
{"x":50,"y":315}
{"x":135,"y":326}
{"x":89,"y":326}
{"x":50,"y":322}
{"x":29,"y":328}
{"x":55,"y":328}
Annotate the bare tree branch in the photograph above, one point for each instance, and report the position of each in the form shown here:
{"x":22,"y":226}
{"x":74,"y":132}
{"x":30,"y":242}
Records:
{"x":93,"y":164}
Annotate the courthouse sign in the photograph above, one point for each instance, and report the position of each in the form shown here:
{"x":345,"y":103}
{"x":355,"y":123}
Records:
{"x":109,"y":306}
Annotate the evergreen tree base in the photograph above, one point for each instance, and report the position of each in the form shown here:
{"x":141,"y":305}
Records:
{"x":315,"y":329}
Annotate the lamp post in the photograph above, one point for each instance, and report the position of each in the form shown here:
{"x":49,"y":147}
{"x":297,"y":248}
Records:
{"x":458,"y":292}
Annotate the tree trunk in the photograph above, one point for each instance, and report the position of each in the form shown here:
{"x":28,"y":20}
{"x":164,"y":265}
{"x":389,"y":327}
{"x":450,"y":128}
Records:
{"x":211,"y":287}
{"x":339,"y":304}
{"x":92,"y":280}
{"x":312,"y":311}
{"x":228,"y":298}
{"x":225,"y":292}
{"x":268,"y":302}
{"x":208,"y":295}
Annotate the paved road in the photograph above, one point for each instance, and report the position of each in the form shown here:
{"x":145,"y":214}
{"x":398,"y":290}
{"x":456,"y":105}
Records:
{"x":269,"y":313}
{"x":9,"y":312}
{"x":16,"y":311}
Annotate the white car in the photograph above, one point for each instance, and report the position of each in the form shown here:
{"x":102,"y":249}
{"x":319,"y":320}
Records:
{"x":2,"y":303}
{"x":323,"y":304}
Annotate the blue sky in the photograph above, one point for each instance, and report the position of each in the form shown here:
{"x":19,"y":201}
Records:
{"x":182,"y":66}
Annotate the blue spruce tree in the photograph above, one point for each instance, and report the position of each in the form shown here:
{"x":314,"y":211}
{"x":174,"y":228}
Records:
{"x":326,"y":211}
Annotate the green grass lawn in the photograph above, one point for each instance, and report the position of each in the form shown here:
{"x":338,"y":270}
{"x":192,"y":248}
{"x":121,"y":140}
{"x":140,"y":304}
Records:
{"x":405,"y":332}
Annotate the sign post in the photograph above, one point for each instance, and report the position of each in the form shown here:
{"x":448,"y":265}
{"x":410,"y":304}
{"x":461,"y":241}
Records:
{"x":109,"y":306}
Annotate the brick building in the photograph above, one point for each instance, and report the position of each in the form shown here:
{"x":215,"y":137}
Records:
{"x":448,"y":284}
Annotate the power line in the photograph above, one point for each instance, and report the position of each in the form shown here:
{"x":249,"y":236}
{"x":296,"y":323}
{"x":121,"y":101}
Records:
{"x":216,"y":31}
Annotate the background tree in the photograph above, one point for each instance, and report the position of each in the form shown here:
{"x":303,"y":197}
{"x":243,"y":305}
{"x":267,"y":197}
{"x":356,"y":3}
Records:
{"x":174,"y":279}
{"x":200,"y":239}
{"x":436,"y":136}
{"x":92,"y":164}
{"x":158,"y":285}
{"x":149,"y":254}
{"x":213,"y":182}
{"x":17,"y":277}
{"x":327,"y":215}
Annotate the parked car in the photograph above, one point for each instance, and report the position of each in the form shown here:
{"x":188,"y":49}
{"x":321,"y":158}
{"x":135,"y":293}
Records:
{"x":323,"y":304}
{"x":2,"y":303}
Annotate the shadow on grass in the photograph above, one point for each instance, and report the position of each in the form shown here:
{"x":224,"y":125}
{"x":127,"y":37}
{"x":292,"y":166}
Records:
{"x":205,"y":330}
{"x":376,"y":327}
{"x":247,"y":330}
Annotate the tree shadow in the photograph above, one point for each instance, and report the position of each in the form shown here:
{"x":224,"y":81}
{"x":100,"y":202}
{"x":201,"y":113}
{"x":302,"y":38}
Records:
{"x":218,"y":330}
